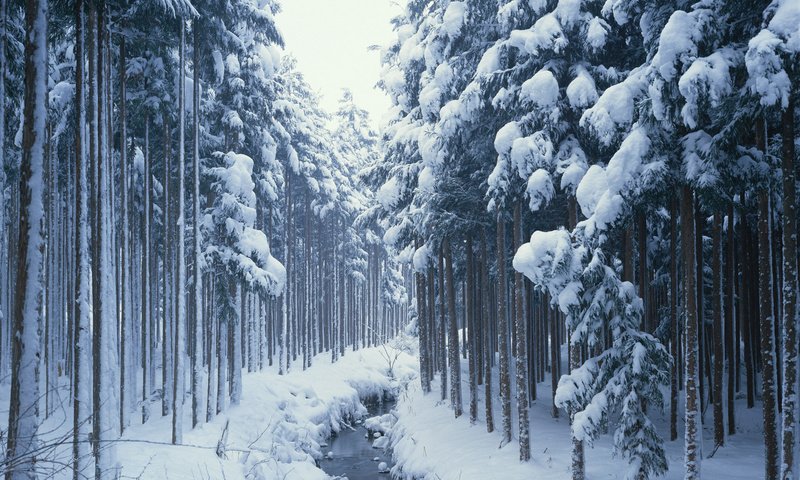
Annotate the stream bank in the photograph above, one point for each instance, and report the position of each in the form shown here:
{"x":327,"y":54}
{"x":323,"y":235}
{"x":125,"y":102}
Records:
{"x":359,"y":452}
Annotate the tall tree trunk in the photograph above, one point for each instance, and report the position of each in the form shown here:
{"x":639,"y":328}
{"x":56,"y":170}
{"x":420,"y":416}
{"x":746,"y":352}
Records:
{"x":441,"y":337}
{"x":23,"y":416}
{"x":472,"y":330}
{"x":283,"y":365}
{"x":452,"y":346}
{"x":237,"y":293}
{"x":126,"y":339}
{"x":716,"y":307}
{"x":222,"y":348}
{"x":746,"y":308}
{"x":147,"y":215}
{"x":198,"y":321}
{"x":180,"y":324}
{"x":701,"y":319}
{"x":521,"y":340}
{"x":422,"y":325}
{"x":81,"y":401}
{"x":5,"y":230}
{"x":767,"y":334}
{"x":731,"y":352}
{"x":487,"y":340}
{"x":502,"y":329}
{"x":790,"y":317}
{"x":673,"y":312}
{"x":692,"y":446}
{"x":767,"y":326}
{"x":168,"y":275}
{"x":644,"y":283}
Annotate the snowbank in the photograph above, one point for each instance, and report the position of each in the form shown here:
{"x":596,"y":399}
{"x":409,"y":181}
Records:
{"x":275,"y":433}
{"x":277,"y":430}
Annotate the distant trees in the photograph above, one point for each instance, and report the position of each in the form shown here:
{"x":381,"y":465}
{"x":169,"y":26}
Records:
{"x":142,"y":219}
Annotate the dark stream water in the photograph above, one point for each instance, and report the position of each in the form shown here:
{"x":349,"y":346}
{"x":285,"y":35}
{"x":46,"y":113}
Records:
{"x":353,"y":456}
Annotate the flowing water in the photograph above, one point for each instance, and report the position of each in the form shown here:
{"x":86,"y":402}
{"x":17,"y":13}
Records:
{"x":352,"y":454}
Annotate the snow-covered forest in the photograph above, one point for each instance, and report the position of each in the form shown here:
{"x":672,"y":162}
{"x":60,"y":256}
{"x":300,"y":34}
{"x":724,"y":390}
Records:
{"x":567,"y":251}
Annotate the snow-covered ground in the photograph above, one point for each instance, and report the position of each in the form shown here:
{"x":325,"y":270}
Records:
{"x":429,"y":443}
{"x":275,"y":433}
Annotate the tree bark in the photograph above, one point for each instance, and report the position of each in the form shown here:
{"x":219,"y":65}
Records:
{"x":487,"y":336}
{"x":198,"y":321}
{"x":472,"y":330}
{"x":441,"y":337}
{"x":522,"y":355}
{"x":180,"y":323}
{"x":502,"y":330}
{"x":767,"y":332}
{"x":452,"y":346}
{"x":692,"y":451}
{"x":23,"y":417}
{"x":673,"y":311}
{"x":422,"y":324}
{"x":730,"y":327}
{"x":716,"y":306}
{"x":790,"y":317}
{"x":81,"y":401}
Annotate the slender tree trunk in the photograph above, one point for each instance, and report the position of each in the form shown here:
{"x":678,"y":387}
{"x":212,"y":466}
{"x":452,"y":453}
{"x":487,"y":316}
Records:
{"x":81,"y":402}
{"x":237,"y":292}
{"x":487,"y":340}
{"x":472,"y":330}
{"x":552,"y":320}
{"x":5,"y":254}
{"x":422,"y":324}
{"x":673,"y":312}
{"x":94,"y":159}
{"x":126,"y":339}
{"x":167,"y":295}
{"x":716,"y":306}
{"x":222,"y":354}
{"x":198,"y":321}
{"x":432,"y":342}
{"x":180,"y":324}
{"x":692,"y":446}
{"x":732,"y":356}
{"x":702,"y":363}
{"x":746,"y":307}
{"x":767,"y":331}
{"x":23,"y":417}
{"x":147,"y":215}
{"x":767,"y":327}
{"x":283,"y":365}
{"x":522,"y":356}
{"x":441,"y":337}
{"x":453,"y":347}
{"x":502,"y":330}
{"x":644,"y":283}
{"x":211,"y":349}
{"x":790,"y":316}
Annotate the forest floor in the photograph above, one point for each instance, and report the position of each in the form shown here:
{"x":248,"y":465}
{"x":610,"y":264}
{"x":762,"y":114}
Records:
{"x":429,"y":443}
{"x":275,"y":433}
{"x":279,"y":429}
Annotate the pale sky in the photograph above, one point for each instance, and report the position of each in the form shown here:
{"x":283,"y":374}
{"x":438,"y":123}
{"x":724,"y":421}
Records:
{"x":330,"y":39}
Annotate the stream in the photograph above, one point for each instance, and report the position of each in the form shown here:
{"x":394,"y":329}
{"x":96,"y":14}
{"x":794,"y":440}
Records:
{"x":349,"y":454}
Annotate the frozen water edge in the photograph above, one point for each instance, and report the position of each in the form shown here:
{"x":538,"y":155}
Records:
{"x":276,"y":431}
